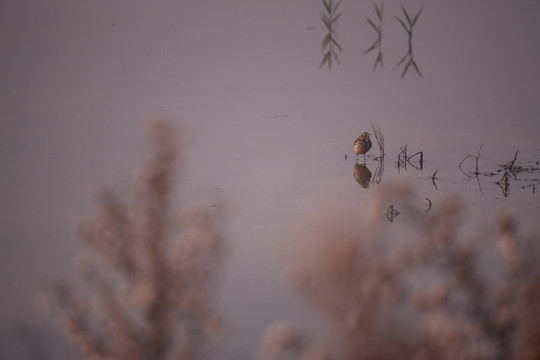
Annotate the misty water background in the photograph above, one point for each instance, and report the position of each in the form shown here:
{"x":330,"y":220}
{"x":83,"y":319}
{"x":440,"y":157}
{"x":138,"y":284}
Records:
{"x":80,"y":81}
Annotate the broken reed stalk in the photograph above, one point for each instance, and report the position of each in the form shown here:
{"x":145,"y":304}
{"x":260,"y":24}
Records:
{"x":478,"y":157}
{"x":510,"y":165}
{"x":436,"y":278}
{"x":429,"y":204}
{"x":433,"y":179}
{"x":461,"y":163}
{"x":421,"y":154}
{"x":504,"y":183}
{"x":391,"y":213}
{"x":468,"y":156}
{"x":403,"y":159}
{"x":479,"y":185}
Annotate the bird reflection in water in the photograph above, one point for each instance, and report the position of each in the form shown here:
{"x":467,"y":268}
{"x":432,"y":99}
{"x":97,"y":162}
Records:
{"x":362,"y":175}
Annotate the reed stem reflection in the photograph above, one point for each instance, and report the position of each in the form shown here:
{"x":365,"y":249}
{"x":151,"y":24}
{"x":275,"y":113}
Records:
{"x":330,"y":45}
{"x":378,"y":30}
{"x":408,"y":25}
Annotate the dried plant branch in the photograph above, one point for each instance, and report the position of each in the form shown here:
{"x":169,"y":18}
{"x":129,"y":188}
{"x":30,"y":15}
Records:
{"x":420,"y":155}
{"x":429,"y":204}
{"x":468,"y":156}
{"x":504,"y":184}
{"x":391,"y":213}
{"x":433,"y":179}
{"x":425,"y":294}
{"x":404,"y":159}
{"x":510,"y":165}
{"x":151,"y":296}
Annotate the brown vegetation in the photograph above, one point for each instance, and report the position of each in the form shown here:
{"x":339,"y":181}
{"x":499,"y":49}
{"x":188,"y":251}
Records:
{"x":428,"y":294}
{"x":150,"y":290}
{"x":412,"y":288}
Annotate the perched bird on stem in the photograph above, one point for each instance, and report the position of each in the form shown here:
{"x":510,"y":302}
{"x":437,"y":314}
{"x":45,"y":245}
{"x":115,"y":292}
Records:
{"x":362,"y":145}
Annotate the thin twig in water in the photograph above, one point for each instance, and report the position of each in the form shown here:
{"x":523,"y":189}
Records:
{"x":403,"y":159}
{"x":391,"y":213}
{"x":479,"y":185}
{"x":429,"y":204}
{"x":468,"y":156}
{"x":476,"y":173}
{"x":510,"y":165}
{"x":433,"y":179}
{"x":504,"y":183}
{"x":478,"y":157}
{"x":462,"y":161}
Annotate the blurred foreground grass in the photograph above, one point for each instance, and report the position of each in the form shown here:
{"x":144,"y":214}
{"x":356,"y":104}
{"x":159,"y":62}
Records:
{"x":428,"y":293}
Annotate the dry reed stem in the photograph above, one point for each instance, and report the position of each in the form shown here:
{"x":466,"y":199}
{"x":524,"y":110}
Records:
{"x":477,"y":157}
{"x":403,"y":159}
{"x":510,"y":165}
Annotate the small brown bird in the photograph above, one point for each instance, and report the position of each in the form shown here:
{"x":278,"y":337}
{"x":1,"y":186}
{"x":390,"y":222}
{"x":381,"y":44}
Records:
{"x":362,"y":145}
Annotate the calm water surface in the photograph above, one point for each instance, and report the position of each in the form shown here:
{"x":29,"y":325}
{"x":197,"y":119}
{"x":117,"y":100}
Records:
{"x":270,"y":127}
